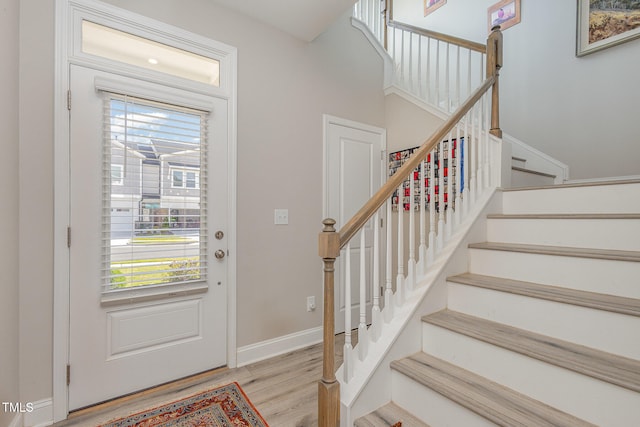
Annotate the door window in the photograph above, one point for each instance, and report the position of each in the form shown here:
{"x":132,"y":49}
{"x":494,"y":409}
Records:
{"x":153,"y":196}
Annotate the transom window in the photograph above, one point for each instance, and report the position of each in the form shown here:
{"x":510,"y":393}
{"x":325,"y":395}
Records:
{"x":123,"y":47}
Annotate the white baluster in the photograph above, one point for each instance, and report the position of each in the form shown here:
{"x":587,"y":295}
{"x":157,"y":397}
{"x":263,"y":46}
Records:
{"x":437,"y":88}
{"x":458,"y":200}
{"x":427,"y":96}
{"x":487,"y":126}
{"x":348,"y":348}
{"x":400,"y":240}
{"x":441,"y":232}
{"x":411,"y":88}
{"x":419,"y":66}
{"x":411,"y":265}
{"x":469,"y":75}
{"x":465,"y":148}
{"x":363,"y":336}
{"x":431,"y":251}
{"x":448,"y":80}
{"x":388,"y":292}
{"x":449,"y":185}
{"x":422,"y":252}
{"x":403,"y":77}
{"x":376,"y":315}
{"x":458,"y":77}
{"x":472,"y":157}
{"x":481,"y":143}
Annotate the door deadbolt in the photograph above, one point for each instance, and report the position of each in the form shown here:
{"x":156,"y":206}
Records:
{"x":219,"y":254}
{"x":219,"y":234}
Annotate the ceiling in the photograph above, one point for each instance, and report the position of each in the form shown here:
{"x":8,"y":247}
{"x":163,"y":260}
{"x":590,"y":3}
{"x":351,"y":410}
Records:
{"x":303,"y":19}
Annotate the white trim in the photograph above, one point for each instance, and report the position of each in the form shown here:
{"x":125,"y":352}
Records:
{"x":16,"y":421}
{"x":42,"y":414}
{"x":603,"y":179}
{"x":65,"y":13}
{"x":537,"y":160}
{"x":386,"y":58}
{"x":439,"y":113}
{"x":274,"y":347}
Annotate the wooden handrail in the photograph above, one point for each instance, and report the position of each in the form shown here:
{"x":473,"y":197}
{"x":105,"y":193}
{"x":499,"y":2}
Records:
{"x":330,"y":242}
{"x":471,"y":45}
{"x":374,"y":203}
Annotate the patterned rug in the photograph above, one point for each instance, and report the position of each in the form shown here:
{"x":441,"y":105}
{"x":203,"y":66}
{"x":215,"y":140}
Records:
{"x":225,"y":406}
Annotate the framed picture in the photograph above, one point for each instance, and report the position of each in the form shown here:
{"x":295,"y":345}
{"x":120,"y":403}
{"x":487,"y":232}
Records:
{"x":601,"y":26}
{"x":432,"y":5}
{"x":505,"y":13}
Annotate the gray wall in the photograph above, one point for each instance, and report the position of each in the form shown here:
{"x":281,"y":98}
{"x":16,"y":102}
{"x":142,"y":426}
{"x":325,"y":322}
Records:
{"x":9,"y":364}
{"x":582,"y":111}
{"x":284,"y":87}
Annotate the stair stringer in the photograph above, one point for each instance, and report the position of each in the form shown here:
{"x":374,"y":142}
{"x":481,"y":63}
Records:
{"x":370,"y":387}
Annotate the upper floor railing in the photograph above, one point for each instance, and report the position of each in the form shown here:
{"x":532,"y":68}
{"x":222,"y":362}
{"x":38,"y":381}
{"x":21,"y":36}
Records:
{"x":429,"y":195}
{"x":438,"y":69}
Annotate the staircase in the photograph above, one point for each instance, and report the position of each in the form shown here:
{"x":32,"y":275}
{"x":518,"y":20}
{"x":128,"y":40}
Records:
{"x":544,"y":327}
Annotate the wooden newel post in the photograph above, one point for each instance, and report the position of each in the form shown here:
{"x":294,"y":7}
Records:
{"x":494,"y":63}
{"x":328,"y":387}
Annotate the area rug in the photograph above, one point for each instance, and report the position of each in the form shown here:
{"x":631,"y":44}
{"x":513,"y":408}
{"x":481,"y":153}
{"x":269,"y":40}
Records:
{"x":225,"y":406}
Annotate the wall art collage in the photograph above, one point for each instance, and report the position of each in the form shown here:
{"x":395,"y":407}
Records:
{"x":447,"y":167}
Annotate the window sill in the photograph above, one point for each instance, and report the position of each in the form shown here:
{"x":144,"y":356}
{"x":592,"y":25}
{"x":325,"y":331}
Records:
{"x":135,"y":296}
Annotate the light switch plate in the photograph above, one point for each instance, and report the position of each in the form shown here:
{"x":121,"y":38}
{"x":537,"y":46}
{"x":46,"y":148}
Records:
{"x":281,"y":216}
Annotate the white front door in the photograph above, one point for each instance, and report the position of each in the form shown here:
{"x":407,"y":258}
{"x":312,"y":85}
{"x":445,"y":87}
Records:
{"x":353,"y":173}
{"x":148,"y":216}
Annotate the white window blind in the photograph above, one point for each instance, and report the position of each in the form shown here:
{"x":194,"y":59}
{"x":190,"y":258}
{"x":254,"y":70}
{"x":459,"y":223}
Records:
{"x":154,"y":231}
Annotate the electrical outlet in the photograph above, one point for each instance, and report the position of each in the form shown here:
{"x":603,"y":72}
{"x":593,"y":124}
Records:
{"x":281,"y":216}
{"x":311,"y":303}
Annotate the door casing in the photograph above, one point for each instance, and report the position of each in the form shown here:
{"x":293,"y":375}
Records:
{"x":68,"y":18}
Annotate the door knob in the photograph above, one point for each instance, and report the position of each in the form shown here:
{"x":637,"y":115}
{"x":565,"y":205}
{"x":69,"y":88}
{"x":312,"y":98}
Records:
{"x":219,"y":254}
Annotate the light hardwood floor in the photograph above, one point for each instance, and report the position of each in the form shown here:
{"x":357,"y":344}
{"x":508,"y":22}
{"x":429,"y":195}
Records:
{"x":283,"y":389}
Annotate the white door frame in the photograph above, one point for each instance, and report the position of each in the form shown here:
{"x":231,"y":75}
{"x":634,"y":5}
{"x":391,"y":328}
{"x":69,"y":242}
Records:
{"x":68,"y":14}
{"x":328,"y":121}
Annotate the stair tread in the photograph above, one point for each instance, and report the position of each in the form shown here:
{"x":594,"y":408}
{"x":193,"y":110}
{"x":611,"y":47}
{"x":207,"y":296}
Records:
{"x":576,"y":184}
{"x":497,"y":403}
{"x":567,"y":216}
{"x":612,"y":303}
{"x":614,"y":369}
{"x":387,"y":416}
{"x":608,"y":254}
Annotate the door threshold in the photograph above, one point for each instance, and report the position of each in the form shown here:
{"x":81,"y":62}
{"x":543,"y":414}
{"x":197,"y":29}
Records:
{"x":170,"y":386}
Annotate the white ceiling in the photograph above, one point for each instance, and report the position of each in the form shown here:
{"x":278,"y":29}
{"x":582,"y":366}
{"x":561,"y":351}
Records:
{"x":304,"y":19}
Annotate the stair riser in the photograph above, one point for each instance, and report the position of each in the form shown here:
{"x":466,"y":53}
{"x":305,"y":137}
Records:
{"x":617,"y":234}
{"x":594,"y":275}
{"x":617,"y":198}
{"x":566,"y":390}
{"x":611,"y":332}
{"x":430,"y":406}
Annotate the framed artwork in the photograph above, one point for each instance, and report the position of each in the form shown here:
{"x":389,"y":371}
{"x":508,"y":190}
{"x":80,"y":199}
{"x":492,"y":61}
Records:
{"x":604,"y":24}
{"x":505,"y":13}
{"x":432,"y":5}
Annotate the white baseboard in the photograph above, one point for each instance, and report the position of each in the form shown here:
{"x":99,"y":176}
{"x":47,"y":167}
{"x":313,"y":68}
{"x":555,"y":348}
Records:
{"x":604,"y":179}
{"x":274,"y":347}
{"x":42,"y":414}
{"x":16,"y":422}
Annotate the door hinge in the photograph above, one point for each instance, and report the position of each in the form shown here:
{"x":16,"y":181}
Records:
{"x":69,"y":100}
{"x":68,"y":374}
{"x":68,"y":237}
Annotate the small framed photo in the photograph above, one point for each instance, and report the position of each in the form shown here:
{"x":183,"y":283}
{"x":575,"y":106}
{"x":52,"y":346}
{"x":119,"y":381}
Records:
{"x":505,"y":13}
{"x":600,"y":26}
{"x":432,"y":5}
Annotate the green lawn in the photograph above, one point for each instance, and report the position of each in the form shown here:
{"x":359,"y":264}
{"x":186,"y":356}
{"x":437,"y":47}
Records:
{"x":154,"y":271}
